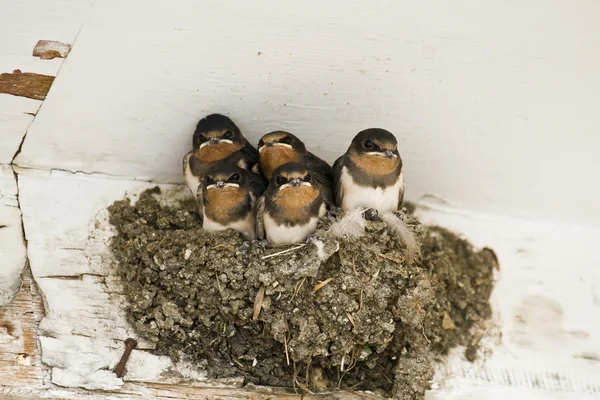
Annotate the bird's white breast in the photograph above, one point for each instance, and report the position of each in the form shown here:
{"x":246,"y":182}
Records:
{"x":283,"y":234}
{"x":380,"y":199}
{"x":191,"y":180}
{"x":244,"y":226}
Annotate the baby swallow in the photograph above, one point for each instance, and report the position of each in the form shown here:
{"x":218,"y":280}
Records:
{"x":279,"y":147}
{"x":229,"y":199}
{"x":289,"y":209}
{"x":216,"y":138}
{"x":370,"y":173}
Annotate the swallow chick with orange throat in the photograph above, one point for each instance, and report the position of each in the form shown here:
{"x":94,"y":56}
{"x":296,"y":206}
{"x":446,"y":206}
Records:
{"x":370,"y":174}
{"x":279,"y":147}
{"x":229,"y":199}
{"x":216,"y":138}
{"x":290,"y":208}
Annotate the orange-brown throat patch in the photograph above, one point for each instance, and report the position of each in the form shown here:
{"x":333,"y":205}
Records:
{"x":294,"y":200}
{"x":220,"y":202}
{"x":216,"y":152}
{"x":374,"y":164}
{"x":273,"y":157}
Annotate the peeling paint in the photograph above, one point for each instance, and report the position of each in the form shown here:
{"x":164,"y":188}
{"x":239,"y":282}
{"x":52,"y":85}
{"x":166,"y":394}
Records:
{"x":26,"y":84}
{"x":50,"y":49}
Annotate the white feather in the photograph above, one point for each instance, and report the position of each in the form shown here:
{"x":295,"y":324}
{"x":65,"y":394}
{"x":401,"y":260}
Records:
{"x":352,"y":224}
{"x":320,"y":249}
{"x":399,"y":228}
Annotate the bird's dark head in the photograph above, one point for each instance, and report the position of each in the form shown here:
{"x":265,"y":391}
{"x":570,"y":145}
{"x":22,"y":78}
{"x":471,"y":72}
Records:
{"x":278,"y":148}
{"x":291,"y":176}
{"x":375,"y":152}
{"x":216,"y":137}
{"x":214,"y":129}
{"x":225,"y":176}
{"x":293,"y":189}
{"x":375,"y":141}
{"x":281,"y":139}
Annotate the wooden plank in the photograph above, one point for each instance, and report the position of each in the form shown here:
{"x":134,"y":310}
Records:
{"x":12,"y":246}
{"x":542,"y":339}
{"x":480,"y":113}
{"x":191,"y":392}
{"x":24,"y":23}
{"x":20,"y":361}
{"x":16,"y":113}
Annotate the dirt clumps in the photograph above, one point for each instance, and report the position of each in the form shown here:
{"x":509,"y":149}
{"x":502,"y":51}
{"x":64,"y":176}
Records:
{"x":365,"y":304}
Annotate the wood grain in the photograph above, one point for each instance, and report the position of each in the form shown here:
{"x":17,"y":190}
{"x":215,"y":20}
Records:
{"x":26,"y":84}
{"x":20,"y":361}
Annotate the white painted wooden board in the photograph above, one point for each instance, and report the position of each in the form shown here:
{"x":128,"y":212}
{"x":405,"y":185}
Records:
{"x":15,"y":117}
{"x":82,"y":333}
{"x":24,"y":22}
{"x":544,"y":341}
{"x":546,"y":305}
{"x":494,"y":103}
{"x":12,"y":247}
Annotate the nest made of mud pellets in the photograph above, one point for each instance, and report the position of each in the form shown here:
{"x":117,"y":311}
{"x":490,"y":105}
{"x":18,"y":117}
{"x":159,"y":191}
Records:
{"x":364,"y":304}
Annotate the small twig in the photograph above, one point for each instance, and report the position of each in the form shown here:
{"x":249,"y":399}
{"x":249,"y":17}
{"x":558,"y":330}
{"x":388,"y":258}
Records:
{"x":298,"y":287}
{"x":219,"y":284}
{"x":287,"y":355}
{"x":351,"y":319}
{"x":386,"y":377}
{"x":396,"y":260}
{"x":360,"y":303}
{"x":283,"y":252}
{"x":258,"y":302}
{"x":425,"y":336}
{"x":321,"y":284}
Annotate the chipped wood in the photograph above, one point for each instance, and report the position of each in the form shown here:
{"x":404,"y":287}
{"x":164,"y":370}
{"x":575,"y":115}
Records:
{"x":50,"y":49}
{"x":155,"y":391}
{"x":20,"y":363}
{"x":26,"y":84}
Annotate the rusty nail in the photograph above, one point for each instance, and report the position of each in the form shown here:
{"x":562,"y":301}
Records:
{"x":130,"y":344}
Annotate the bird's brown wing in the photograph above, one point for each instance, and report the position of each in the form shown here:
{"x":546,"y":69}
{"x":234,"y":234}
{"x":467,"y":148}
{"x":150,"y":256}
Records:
{"x":249,"y":154}
{"x":258,"y":184}
{"x":337,"y":180}
{"x":260,"y":215}
{"x":323,"y":174}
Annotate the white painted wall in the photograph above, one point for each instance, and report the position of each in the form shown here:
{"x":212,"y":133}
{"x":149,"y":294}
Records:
{"x":495,"y":103}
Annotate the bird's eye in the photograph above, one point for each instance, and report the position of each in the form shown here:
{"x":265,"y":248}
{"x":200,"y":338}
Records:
{"x":228,"y":135}
{"x":209,"y":180}
{"x":307,"y":178}
{"x":368,"y":144}
{"x":286,"y":140}
{"x":261,"y":143}
{"x":234,"y":178}
{"x":280,"y":180}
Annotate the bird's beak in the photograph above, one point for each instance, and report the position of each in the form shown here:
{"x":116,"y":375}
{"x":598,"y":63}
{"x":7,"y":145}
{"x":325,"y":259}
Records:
{"x":296,"y":182}
{"x":389,"y":154}
{"x":220,"y":184}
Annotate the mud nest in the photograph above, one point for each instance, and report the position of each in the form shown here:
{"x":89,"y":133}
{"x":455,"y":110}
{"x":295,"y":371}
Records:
{"x":366,"y":304}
